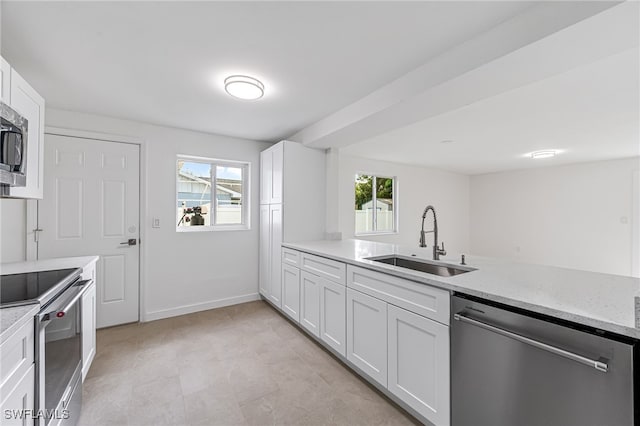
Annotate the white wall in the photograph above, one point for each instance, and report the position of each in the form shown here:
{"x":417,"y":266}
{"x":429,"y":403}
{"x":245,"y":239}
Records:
{"x":184,"y":271}
{"x":12,"y":230}
{"x":417,"y":187}
{"x":576,"y":216}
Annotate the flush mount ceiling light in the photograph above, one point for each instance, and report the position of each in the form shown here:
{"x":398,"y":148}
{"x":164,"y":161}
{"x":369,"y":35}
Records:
{"x":244,"y":87}
{"x":547,"y":153}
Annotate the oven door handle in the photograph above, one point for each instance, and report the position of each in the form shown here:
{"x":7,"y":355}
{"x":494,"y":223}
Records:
{"x":61,"y":308}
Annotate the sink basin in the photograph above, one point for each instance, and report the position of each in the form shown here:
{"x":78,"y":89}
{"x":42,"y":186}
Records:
{"x":421,"y":265}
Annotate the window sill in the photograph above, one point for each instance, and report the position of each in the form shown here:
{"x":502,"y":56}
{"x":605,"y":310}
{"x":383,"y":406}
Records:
{"x":372,"y":234}
{"x":213,"y":228}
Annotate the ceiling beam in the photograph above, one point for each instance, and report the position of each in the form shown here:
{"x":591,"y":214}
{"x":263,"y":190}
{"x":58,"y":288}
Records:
{"x":542,"y":41}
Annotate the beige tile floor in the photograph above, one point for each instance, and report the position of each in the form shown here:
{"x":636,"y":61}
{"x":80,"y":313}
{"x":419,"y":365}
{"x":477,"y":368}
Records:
{"x":240,"y":365}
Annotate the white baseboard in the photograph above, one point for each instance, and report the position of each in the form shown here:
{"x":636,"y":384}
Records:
{"x":197,"y":307}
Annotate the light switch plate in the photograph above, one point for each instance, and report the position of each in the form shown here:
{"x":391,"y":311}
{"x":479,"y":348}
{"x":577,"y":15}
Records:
{"x":155,"y":223}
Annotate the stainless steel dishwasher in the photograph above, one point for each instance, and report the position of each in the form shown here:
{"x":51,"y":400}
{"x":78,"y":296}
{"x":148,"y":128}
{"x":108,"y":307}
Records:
{"x":515,"y":368}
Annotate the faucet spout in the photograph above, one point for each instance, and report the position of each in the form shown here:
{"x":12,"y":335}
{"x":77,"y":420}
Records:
{"x":436,"y":250}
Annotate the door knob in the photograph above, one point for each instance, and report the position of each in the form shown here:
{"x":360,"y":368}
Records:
{"x":130,"y":242}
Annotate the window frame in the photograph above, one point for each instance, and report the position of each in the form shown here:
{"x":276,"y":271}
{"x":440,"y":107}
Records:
{"x":374,"y":199}
{"x":246,"y":193}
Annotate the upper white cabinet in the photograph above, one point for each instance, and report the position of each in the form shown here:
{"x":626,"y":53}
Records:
{"x":418,"y":359}
{"x":271,"y":171}
{"x":5,"y":82}
{"x":20,"y":96}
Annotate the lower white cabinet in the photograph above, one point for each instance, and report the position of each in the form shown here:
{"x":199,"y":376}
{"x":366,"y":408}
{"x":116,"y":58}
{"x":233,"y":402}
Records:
{"x":333,"y":315}
{"x":88,"y":320}
{"x":367,"y":334}
{"x":310,"y":302}
{"x":291,"y":291}
{"x":418,"y":360}
{"x":270,"y":253}
{"x":20,"y":401}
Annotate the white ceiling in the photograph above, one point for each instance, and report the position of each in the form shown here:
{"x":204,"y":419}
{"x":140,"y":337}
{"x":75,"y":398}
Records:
{"x":590,"y":113}
{"x":163,"y":62}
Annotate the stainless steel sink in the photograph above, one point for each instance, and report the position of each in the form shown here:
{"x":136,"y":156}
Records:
{"x":421,"y":265}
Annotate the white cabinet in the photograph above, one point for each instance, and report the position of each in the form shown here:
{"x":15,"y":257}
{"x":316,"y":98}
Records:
{"x":291,"y":208}
{"x":270,"y":252}
{"x":27,"y":102}
{"x":333,"y":315}
{"x":88,"y":321}
{"x":20,"y":399}
{"x":418,"y":360}
{"x":291,"y":292}
{"x":367,"y":334}
{"x":265,"y":251}
{"x":5,"y":81}
{"x":271,"y":172}
{"x":310,"y":302}
{"x":17,"y":372}
{"x":275,"y":224}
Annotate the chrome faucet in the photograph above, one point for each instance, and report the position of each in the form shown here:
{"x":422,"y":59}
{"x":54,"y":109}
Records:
{"x":436,"y":250}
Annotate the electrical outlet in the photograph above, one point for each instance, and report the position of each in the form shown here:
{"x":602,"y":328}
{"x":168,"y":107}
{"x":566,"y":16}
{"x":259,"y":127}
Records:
{"x":155,"y":223}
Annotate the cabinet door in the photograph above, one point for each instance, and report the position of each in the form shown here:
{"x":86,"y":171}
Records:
{"x":266,"y":171}
{"x":277,"y":173}
{"x":88,"y":317}
{"x":291,"y":291}
{"x":419,"y":363}
{"x":275,"y":219}
{"x":20,"y":400}
{"x":310,"y":302}
{"x":265,"y":251}
{"x":28,"y":103}
{"x":333,"y":322}
{"x":5,"y":81}
{"x":367,"y":334}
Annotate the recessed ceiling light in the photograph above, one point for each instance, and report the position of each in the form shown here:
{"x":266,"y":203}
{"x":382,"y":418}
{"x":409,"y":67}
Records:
{"x":547,"y":153}
{"x":244,"y":87}
{"x":446,"y":141}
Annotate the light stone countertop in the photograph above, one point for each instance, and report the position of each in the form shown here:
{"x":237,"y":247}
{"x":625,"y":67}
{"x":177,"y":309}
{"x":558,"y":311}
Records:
{"x":12,"y":318}
{"x":603,"y":301}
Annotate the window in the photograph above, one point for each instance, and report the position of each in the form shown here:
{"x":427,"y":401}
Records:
{"x":375,"y":204}
{"x":197,"y":180}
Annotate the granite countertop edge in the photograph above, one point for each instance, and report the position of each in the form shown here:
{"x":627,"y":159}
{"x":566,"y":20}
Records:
{"x":452,"y":284}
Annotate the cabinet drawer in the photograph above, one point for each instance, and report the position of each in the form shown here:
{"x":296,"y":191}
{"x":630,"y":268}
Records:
{"x":16,"y":356}
{"x":19,"y":398}
{"x":421,"y":299}
{"x":290,"y":257}
{"x":323,"y":267}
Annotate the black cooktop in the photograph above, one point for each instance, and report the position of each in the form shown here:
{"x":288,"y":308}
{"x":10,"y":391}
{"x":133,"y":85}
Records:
{"x":19,"y":289}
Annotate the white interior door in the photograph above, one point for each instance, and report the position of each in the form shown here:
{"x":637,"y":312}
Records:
{"x":91,"y":207}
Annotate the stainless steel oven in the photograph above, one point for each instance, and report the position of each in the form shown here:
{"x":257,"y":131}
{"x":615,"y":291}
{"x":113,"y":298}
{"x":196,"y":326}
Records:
{"x":59,"y":358}
{"x":13,"y":148}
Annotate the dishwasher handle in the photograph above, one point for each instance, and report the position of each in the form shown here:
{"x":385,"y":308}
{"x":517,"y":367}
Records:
{"x":600,"y":364}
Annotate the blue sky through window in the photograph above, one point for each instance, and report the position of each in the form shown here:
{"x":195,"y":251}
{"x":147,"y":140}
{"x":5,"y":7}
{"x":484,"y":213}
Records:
{"x":204,"y":170}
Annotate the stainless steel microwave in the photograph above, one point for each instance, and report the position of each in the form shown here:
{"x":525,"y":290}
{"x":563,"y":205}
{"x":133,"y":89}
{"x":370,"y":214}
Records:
{"x":13,"y":148}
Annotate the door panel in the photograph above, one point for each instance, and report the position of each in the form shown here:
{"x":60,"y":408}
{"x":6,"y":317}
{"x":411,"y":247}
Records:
{"x":275,"y":215}
{"x":291,"y":291}
{"x":367,"y":334}
{"x":90,"y":207}
{"x":419,"y":363}
{"x":333,"y":315}
{"x":265,"y":251}
{"x":310,"y":302}
{"x":277,"y":160}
